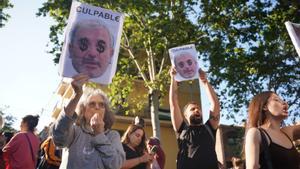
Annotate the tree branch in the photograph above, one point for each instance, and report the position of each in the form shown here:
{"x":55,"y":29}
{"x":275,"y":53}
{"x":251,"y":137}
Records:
{"x":128,"y":48}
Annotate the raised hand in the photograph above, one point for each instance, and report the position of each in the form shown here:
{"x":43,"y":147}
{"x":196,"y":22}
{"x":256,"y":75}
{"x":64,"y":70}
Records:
{"x":146,"y":157}
{"x":172,"y":72}
{"x":97,"y":123}
{"x":78,"y":81}
{"x":202,"y":76}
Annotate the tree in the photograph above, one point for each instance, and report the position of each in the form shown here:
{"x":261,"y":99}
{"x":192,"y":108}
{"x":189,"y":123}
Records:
{"x":8,"y":120}
{"x":243,"y":43}
{"x":248,"y":49}
{"x":4,"y":4}
{"x":151,"y":27}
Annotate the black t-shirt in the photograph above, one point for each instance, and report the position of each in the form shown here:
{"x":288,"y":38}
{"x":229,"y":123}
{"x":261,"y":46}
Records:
{"x":196,"y":147}
{"x":130,"y":154}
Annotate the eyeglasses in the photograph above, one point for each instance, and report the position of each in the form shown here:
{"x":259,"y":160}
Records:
{"x":94,"y":104}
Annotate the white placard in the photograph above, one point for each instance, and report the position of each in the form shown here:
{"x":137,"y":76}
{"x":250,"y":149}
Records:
{"x":294,"y":32}
{"x":92,"y":42}
{"x":184,"y":59}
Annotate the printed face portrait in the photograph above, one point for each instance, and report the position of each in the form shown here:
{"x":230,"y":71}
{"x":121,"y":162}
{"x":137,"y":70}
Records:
{"x":91,"y":49}
{"x":186,"y":65}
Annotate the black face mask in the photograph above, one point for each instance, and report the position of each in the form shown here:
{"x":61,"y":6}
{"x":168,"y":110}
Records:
{"x":194,"y":120}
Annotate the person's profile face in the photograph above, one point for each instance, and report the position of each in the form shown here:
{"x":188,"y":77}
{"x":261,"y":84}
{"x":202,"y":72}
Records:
{"x":91,"y":51}
{"x":186,"y":65}
{"x":277,"y":107}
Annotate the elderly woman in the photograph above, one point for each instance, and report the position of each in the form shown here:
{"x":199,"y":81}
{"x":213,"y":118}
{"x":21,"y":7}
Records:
{"x":134,"y":144}
{"x":86,"y":137}
{"x":268,"y":145}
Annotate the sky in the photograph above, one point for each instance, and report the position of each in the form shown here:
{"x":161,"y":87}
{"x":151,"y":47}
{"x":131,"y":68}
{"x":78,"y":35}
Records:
{"x":29,"y":77}
{"x":28,"y":74}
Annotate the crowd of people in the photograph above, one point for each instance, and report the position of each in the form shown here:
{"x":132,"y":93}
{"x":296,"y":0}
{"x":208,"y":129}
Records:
{"x":82,"y":135}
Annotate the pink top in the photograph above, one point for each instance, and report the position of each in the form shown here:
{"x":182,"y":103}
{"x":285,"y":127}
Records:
{"x":18,"y":151}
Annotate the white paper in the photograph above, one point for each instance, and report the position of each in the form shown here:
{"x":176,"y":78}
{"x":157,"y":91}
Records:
{"x":185,"y":60}
{"x":92,"y":42}
{"x":294,"y":32}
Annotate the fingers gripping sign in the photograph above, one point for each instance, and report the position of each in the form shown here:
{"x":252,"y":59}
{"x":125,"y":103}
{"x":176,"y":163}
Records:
{"x":172,"y":71}
{"x":202,"y":75}
{"x":78,"y":81}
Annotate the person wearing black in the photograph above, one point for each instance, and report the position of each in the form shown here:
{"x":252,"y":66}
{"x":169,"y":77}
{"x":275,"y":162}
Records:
{"x":134,"y":144}
{"x":196,"y":141}
{"x":268,"y":144}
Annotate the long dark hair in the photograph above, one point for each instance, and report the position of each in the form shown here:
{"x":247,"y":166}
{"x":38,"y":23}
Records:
{"x":125,"y":138}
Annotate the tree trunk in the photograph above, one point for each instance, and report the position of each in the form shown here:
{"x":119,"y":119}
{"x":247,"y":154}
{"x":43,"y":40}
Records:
{"x":154,"y":105}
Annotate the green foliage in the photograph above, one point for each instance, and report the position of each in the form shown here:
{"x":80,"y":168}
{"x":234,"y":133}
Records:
{"x":150,"y":29}
{"x":119,"y":92}
{"x":249,"y":51}
{"x":8,"y":120}
{"x":243,"y":43}
{"x":4,"y":4}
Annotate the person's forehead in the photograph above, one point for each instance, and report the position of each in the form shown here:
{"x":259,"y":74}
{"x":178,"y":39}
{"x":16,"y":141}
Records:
{"x":95,"y":98}
{"x":183,"y":57}
{"x":274,"y":96}
{"x":138,"y":131}
{"x":192,"y":105}
{"x":93,"y":31}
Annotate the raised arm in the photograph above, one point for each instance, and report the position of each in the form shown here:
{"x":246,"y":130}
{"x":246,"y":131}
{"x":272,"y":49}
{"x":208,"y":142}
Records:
{"x":77,"y":83}
{"x":62,"y":130}
{"x":214,"y":116}
{"x":176,"y":116}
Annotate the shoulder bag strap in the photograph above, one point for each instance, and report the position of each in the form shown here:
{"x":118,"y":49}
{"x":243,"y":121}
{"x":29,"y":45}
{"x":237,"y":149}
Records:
{"x":32,"y":156}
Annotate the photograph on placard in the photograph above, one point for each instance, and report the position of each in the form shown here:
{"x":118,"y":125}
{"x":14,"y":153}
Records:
{"x":185,"y":60}
{"x":92,"y":42}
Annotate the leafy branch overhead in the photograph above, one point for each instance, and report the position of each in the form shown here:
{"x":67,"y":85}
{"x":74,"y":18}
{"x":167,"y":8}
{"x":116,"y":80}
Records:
{"x":4,"y":4}
{"x":244,"y":45}
{"x":249,"y":51}
{"x":149,"y":30}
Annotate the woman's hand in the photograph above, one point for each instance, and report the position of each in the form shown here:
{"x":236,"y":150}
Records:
{"x":146,"y":158}
{"x":97,"y":123}
{"x":78,"y":81}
